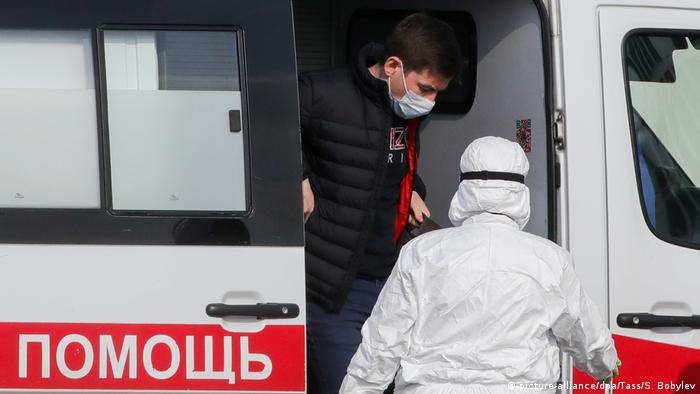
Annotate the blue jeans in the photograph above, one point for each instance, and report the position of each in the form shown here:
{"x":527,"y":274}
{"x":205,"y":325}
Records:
{"x":334,"y":337}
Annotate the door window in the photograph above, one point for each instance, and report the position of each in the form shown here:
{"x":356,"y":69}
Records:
{"x":176,"y":134}
{"x":663,"y":76}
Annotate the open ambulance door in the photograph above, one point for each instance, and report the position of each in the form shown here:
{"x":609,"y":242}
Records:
{"x":631,"y":83}
{"x":651,"y":87}
{"x":151,"y":235}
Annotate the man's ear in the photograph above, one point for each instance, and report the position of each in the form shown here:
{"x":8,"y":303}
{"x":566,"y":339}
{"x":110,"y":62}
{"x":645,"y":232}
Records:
{"x":392,"y":65}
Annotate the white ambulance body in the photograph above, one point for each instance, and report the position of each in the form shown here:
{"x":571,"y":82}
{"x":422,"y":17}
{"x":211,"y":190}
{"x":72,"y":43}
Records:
{"x":151,"y":237}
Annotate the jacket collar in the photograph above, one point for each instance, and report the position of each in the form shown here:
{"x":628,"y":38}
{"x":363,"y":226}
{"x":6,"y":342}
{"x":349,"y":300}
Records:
{"x":492,"y":218}
{"x":374,"y":89}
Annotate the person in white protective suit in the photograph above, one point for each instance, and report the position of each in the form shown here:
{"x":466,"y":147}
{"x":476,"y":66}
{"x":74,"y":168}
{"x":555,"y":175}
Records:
{"x":482,"y":307}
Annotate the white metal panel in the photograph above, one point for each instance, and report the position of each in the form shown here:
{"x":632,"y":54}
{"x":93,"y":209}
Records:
{"x":584,"y":147}
{"x":145,"y":284}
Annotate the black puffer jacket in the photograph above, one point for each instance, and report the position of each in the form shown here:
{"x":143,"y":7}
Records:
{"x":345,"y":122}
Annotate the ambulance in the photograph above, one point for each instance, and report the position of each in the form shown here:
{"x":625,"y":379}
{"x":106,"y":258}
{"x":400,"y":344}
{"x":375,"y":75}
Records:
{"x":151,"y":234}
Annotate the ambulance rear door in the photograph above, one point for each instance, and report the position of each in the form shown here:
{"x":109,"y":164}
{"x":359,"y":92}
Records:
{"x":650,"y":58}
{"x":151,"y":235}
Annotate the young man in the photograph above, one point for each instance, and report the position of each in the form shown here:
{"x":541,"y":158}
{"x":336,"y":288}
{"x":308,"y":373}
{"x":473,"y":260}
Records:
{"x":360,"y":147}
{"x":482,"y":307}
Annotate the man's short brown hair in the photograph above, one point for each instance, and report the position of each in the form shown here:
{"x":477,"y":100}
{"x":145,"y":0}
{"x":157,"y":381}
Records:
{"x":425,"y":42}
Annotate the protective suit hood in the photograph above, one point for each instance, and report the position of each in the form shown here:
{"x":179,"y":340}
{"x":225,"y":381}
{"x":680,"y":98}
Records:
{"x":501,"y":197}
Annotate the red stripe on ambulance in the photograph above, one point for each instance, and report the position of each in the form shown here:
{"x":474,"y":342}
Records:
{"x":651,"y":367}
{"x":150,"y":357}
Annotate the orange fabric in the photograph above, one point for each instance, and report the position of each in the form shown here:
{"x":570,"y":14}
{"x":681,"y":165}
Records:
{"x":404,"y":207}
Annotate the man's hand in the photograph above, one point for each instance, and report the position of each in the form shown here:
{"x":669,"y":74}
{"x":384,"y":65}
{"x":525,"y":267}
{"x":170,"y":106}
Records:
{"x":615,"y":373}
{"x":308,"y":197}
{"x":418,"y":210}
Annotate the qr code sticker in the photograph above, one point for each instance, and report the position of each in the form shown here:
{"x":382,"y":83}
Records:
{"x":523,"y":133}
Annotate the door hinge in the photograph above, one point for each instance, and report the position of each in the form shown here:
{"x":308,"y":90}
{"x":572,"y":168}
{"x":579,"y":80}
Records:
{"x":559,"y":130}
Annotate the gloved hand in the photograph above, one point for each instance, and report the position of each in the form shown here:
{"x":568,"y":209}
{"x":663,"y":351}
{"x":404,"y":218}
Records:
{"x":615,"y":373}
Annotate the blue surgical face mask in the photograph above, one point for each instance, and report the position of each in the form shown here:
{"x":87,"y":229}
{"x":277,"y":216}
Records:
{"x":411,"y":105}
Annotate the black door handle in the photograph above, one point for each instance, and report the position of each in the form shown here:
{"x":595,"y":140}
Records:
{"x":234,"y":120}
{"x":259,"y":310}
{"x":648,"y":320}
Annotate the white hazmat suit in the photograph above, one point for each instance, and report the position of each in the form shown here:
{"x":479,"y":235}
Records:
{"x":481,"y":307}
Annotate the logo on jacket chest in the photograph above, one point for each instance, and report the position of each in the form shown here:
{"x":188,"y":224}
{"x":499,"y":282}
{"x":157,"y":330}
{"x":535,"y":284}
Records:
{"x":397,"y":142}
